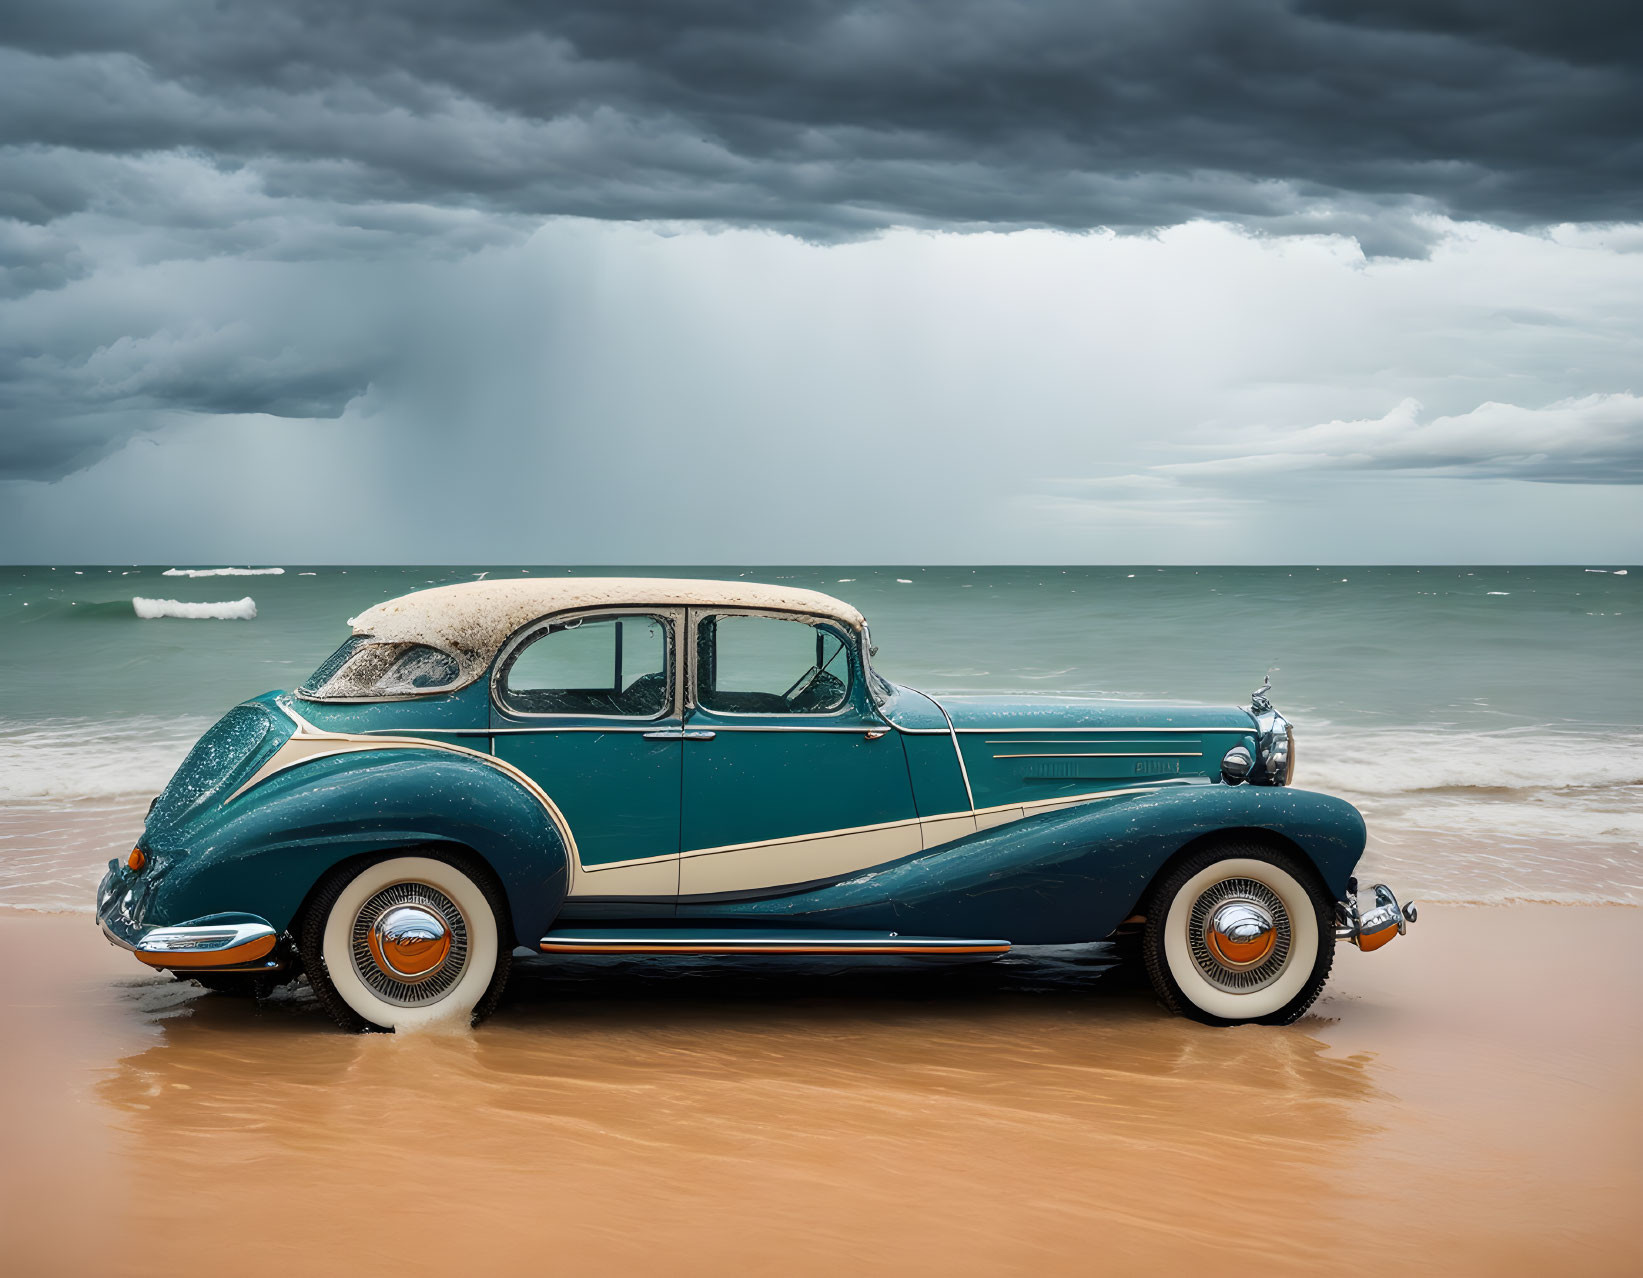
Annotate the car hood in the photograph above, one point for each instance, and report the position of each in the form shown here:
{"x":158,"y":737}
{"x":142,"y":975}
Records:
{"x":992,"y":712}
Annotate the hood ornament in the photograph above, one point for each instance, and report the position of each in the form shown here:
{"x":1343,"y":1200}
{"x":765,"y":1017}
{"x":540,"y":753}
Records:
{"x":1274,"y":762}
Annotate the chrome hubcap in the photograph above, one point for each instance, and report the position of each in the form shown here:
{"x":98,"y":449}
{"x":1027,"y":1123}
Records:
{"x":410,"y":944}
{"x":1239,"y":934}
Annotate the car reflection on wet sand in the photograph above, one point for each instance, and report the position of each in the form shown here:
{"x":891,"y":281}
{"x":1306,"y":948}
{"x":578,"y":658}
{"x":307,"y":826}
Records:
{"x":629,"y":1116}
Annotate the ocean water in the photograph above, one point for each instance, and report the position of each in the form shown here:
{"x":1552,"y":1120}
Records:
{"x":1487,"y":721}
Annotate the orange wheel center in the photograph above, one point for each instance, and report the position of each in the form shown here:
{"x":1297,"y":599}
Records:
{"x":409,"y":943}
{"x":1240,"y":934}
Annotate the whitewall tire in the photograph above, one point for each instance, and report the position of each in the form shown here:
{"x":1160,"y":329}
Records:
{"x":1239,"y":932}
{"x":406,"y":942}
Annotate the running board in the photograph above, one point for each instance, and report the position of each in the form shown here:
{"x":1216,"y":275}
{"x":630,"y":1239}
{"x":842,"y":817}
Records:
{"x":633,"y":940}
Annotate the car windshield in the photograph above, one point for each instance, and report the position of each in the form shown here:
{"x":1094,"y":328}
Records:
{"x":363,"y":669}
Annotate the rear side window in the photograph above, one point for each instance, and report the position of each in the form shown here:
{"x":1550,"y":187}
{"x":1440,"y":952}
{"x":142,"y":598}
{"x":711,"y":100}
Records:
{"x":593,"y":666}
{"x":769,"y":665}
{"x":364,"y":669}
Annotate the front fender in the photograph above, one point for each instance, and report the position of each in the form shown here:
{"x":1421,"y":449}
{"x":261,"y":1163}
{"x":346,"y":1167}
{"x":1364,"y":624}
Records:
{"x":263,"y":850}
{"x":1065,"y":876}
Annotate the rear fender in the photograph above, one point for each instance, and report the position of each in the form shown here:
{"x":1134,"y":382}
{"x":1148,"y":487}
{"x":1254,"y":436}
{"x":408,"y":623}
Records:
{"x":264,"y":848}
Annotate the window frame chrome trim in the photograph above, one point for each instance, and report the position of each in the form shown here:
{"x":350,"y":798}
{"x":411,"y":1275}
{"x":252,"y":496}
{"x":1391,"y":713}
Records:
{"x":527,"y":633}
{"x":852,"y":644}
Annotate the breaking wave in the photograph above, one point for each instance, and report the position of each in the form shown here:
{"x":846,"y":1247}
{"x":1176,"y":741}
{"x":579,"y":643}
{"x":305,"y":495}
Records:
{"x":231,"y":610}
{"x":223,"y":572}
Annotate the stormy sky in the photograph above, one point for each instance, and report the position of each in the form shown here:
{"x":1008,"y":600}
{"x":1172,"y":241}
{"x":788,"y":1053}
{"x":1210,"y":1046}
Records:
{"x":696,"y":281}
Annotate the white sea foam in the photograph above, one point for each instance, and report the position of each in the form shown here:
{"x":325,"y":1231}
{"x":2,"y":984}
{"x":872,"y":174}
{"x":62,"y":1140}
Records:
{"x":92,"y":758}
{"x":223,"y":572}
{"x":1410,"y":761}
{"x":230,"y":610}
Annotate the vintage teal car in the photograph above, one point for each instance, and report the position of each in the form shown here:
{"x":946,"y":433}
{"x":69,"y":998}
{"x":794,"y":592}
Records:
{"x":641,"y":766}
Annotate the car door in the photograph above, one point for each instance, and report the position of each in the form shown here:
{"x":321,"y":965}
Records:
{"x":587,"y":705}
{"x":790,"y":774}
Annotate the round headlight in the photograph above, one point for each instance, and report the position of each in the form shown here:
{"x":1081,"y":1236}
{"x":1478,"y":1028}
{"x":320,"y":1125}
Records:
{"x":1235,"y":765}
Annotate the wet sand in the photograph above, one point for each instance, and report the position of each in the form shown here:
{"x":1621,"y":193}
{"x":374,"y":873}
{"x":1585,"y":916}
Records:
{"x":1466,"y":1101}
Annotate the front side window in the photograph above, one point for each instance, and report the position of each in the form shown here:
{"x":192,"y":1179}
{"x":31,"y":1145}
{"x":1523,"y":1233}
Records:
{"x":769,"y":665}
{"x":591,"y":665}
{"x":363,"y":669}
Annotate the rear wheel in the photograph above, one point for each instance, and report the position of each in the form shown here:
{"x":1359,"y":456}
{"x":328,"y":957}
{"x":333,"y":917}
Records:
{"x":405,"y":942}
{"x":1239,"y":933}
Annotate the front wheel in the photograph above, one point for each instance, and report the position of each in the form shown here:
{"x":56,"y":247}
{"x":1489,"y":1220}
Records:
{"x":405,"y":942}
{"x":1239,"y":933}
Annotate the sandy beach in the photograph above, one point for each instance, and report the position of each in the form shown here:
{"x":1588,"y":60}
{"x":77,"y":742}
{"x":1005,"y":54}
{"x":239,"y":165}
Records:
{"x":1465,"y":1101}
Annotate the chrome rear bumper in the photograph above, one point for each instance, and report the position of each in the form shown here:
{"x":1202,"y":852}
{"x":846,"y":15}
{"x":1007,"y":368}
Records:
{"x":234,"y":945}
{"x":1371,"y":929}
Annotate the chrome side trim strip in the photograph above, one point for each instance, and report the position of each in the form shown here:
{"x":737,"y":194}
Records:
{"x":1090,"y":730}
{"x":661,"y":943}
{"x":649,"y":726}
{"x":1119,"y":754}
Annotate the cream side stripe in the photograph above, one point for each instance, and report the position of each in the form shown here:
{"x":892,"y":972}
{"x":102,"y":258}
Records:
{"x":1029,"y":807}
{"x":806,"y":838}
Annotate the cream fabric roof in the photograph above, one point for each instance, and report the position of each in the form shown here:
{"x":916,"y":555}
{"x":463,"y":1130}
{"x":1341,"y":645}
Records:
{"x":473,"y":618}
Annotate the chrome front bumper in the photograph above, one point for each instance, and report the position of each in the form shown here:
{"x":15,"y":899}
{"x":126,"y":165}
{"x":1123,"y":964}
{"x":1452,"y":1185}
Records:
{"x":1371,"y":929}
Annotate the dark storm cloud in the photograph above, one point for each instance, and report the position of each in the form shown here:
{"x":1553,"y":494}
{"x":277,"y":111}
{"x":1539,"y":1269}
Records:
{"x":95,"y":399}
{"x":140,"y":133}
{"x":836,"y":119}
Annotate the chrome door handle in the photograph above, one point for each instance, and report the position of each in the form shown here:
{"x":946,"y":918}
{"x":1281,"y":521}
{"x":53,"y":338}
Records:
{"x":699,"y":734}
{"x":677,"y":734}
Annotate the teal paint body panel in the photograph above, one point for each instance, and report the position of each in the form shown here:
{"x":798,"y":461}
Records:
{"x":755,"y":777}
{"x":974,"y":713}
{"x":618,"y":790}
{"x":745,"y":786}
{"x":465,"y":710}
{"x":1021,"y":750}
{"x":932,"y":756}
